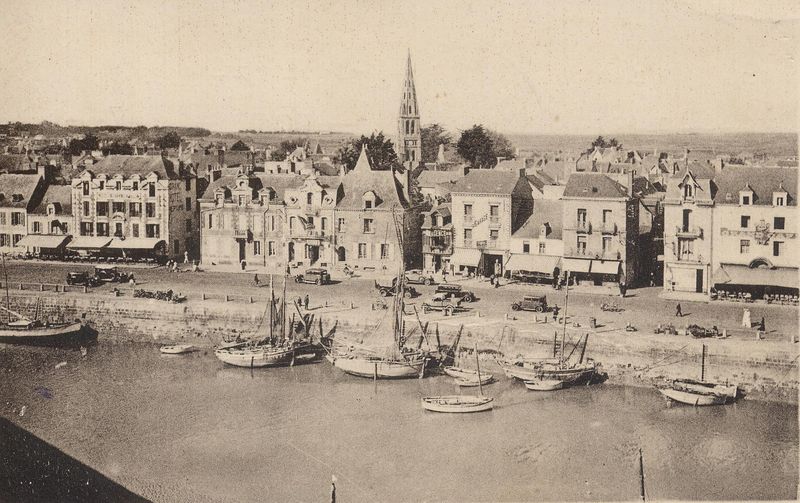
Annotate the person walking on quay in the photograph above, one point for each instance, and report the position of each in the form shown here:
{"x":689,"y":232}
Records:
{"x":305,"y":302}
{"x":255,"y":280}
{"x":132,"y":281}
{"x":555,"y":313}
{"x":622,"y":289}
{"x":762,"y":327}
{"x":678,"y":311}
{"x":186,"y":257}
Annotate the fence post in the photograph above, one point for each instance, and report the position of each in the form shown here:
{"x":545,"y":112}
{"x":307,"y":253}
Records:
{"x":226,"y":297}
{"x":20,"y":286}
{"x":85,"y":289}
{"x":251,"y":299}
{"x":41,"y":287}
{"x":204,"y":295}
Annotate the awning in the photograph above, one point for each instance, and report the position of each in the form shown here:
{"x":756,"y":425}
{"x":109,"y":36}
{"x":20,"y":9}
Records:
{"x":532,"y":263}
{"x":576,"y":264}
{"x":466,"y":256}
{"x":135,"y":243}
{"x":40,"y":241}
{"x":731,"y":274}
{"x":605,"y":266}
{"x":88,"y":243}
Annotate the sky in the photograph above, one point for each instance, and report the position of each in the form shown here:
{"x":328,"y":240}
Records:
{"x":572,"y":67}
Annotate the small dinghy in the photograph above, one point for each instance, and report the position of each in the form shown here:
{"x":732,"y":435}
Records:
{"x":544,"y":384}
{"x":177,"y":349}
{"x":461,"y":373}
{"x":457,"y":403}
{"x":471,"y":382}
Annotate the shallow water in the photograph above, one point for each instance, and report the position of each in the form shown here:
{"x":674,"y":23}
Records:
{"x":187,"y":428}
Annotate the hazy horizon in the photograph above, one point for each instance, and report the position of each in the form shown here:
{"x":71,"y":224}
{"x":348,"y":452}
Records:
{"x":573,"y":68}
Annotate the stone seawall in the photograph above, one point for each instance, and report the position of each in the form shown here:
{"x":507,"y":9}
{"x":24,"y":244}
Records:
{"x":764,"y":369}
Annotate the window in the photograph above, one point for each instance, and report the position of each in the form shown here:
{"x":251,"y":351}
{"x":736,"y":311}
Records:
{"x":606,"y":244}
{"x":688,"y":190}
{"x":16,"y":238}
{"x":188,"y":225}
{"x":256,"y":247}
{"x":241,"y":200}
{"x":3,"y":217}
{"x":176,"y":246}
{"x":271,"y":222}
{"x":118,"y":185}
{"x":291,"y":223}
{"x":102,"y":184}
{"x":467,"y":210}
{"x":135,"y":230}
{"x":221,"y":220}
{"x":87,"y":228}
{"x":135,"y":209}
{"x":685,"y":249}
{"x":17,"y":218}
{"x":362,"y":250}
{"x":102,"y":229}
{"x":526,"y":247}
{"x":102,"y":208}
{"x":271,"y":248}
{"x":152,"y":231}
{"x":494,"y":210}
{"x":118,"y":229}
{"x":687,"y":216}
{"x":777,"y":248}
{"x":367,"y":204}
{"x":150,"y":209}
{"x":779,"y":223}
{"x":606,"y":216}
{"x":210,"y":221}
{"x":369,"y":227}
{"x":581,"y":215}
{"x":310,"y":223}
{"x":323,"y":223}
{"x":37,"y":227}
{"x":135,"y":185}
{"x":85,"y":188}
{"x":151,"y":190}
{"x":188,"y":204}
{"x":340,"y":225}
{"x":541,"y":248}
{"x":581,"y":245}
{"x":745,"y":221}
{"x":780,"y":201}
{"x":745,"y":200}
{"x":117,"y":207}
{"x":188,"y":184}
{"x":384,"y":251}
{"x":494,"y":234}
{"x":3,"y":239}
{"x":744,"y":246}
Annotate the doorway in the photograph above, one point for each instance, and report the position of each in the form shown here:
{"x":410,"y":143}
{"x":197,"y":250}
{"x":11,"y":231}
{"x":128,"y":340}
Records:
{"x":698,"y":281}
{"x":241,"y":249}
{"x":312,"y":253}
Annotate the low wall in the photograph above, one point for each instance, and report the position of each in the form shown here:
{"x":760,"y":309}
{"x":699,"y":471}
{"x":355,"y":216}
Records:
{"x":764,"y":369}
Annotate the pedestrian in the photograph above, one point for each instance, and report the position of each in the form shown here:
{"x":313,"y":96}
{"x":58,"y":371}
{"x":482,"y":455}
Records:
{"x":186,"y":257}
{"x":555,"y":313}
{"x":622,"y":288}
{"x":255,"y":280}
{"x":491,"y":280}
{"x":244,"y":265}
{"x":678,"y":311}
{"x":132,"y":281}
{"x":305,"y":302}
{"x":763,"y":326}
{"x":497,"y":282}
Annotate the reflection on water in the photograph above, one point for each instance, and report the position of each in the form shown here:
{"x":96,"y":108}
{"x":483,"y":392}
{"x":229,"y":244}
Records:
{"x":178,"y":428}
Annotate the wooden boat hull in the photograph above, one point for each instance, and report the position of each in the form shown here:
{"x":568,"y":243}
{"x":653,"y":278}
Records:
{"x":472,"y":382}
{"x":548,"y":371}
{"x":457,"y":404}
{"x":692,"y":398}
{"x":177,"y":349}
{"x":544,"y":384}
{"x":693,"y":392}
{"x":40,"y":335}
{"x":382,"y":369}
{"x":460,"y":373}
{"x":255,"y":358}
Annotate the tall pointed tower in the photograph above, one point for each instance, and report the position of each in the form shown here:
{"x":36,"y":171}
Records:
{"x":409,"y":140}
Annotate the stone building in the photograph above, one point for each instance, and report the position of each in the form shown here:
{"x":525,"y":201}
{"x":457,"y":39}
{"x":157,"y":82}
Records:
{"x":537,"y":247}
{"x":437,"y":238}
{"x":136,"y":205}
{"x":19,"y":195}
{"x":409,"y":137}
{"x":50,"y":223}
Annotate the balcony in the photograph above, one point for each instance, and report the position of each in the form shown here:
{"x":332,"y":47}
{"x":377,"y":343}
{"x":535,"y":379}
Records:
{"x":308,"y":234}
{"x":438,"y":248}
{"x":577,"y":252}
{"x":688,"y":232}
{"x":609,"y":228}
{"x":242,"y":234}
{"x":582,"y":226}
{"x":690,"y":258}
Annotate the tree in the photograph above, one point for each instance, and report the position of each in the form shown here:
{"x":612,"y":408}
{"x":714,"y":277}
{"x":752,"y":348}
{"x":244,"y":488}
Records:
{"x":117,"y":148}
{"x":433,"y":136}
{"x":169,"y":140}
{"x":88,"y":143}
{"x":287,"y":147}
{"x":475,"y":146}
{"x":240,"y":146}
{"x":501,"y":146}
{"x":601,"y":142}
{"x":379,"y":148}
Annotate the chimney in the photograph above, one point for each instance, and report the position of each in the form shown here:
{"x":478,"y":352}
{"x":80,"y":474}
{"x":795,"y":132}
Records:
{"x":629,"y":182}
{"x":522,"y":173}
{"x":221,"y":156}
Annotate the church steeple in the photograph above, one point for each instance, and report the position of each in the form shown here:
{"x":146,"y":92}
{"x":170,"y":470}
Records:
{"x":409,"y":140}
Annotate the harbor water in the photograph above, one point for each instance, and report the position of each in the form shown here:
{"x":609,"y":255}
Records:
{"x":188,"y":428}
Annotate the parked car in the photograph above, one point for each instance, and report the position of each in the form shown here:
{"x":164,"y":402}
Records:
{"x":387,"y":290}
{"x":456,"y":291}
{"x":417,"y":277}
{"x":82,"y":278}
{"x":314,"y":275}
{"x":110,"y":275}
{"x":536,"y":303}
{"x":531,"y":277}
{"x":442,"y":302}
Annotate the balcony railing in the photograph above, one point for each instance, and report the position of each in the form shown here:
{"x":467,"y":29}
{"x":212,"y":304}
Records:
{"x":576,"y":252}
{"x":690,"y":257}
{"x":609,"y":228}
{"x":688,"y":232}
{"x":438,"y":249}
{"x":241,"y":233}
{"x":582,"y":226}
{"x":308,"y":234}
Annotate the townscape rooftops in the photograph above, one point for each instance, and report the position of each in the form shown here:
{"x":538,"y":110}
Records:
{"x":278,"y":182}
{"x":429,"y":179}
{"x":363,"y":179}
{"x":487,"y":181}
{"x":593,"y":185}
{"x":60,"y":196}
{"x":17,"y":189}
{"x":545,"y":211}
{"x":142,"y":165}
{"x":763,"y":182}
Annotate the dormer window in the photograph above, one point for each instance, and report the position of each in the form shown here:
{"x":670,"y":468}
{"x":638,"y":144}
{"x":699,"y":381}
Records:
{"x":746,"y":196}
{"x":370,"y":200}
{"x":367,"y":204}
{"x":16,"y":198}
{"x":220,"y":199}
{"x":135,"y":185}
{"x":688,"y":191}
{"x":309,"y":198}
{"x":85,"y":188}
{"x":118,"y":185}
{"x":780,"y":196}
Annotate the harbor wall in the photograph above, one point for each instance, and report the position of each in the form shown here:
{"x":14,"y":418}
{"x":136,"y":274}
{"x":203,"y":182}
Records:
{"x":764,"y":369}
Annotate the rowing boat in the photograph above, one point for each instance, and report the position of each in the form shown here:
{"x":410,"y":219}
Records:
{"x":458,"y":403}
{"x":544,"y":384}
{"x":177,"y":349}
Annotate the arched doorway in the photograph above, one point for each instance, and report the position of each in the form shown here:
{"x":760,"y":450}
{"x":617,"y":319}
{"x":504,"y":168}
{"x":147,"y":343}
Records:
{"x":760,"y":262}
{"x":341,"y":254}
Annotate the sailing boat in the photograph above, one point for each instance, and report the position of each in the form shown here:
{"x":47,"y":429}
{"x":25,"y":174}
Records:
{"x":265,"y":353}
{"x":540,"y":372}
{"x":23,"y":330}
{"x":692,"y":392}
{"x":396,"y":361}
{"x":460,"y":403}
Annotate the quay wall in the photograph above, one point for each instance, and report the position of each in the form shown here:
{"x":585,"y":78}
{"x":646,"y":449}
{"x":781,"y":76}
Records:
{"x":764,"y":369}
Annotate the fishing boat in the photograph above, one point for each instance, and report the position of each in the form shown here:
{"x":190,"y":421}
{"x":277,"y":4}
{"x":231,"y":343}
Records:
{"x":702,"y":392}
{"x":472,"y":382}
{"x":462,"y":373}
{"x":255,"y":356}
{"x":544,"y":384}
{"x":19,"y":329}
{"x":177,"y":349}
{"x":461,"y":403}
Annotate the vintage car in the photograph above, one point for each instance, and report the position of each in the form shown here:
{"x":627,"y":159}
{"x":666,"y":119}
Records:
{"x":531,"y":277}
{"x":456,"y":291}
{"x":417,"y":277}
{"x":110,"y":275}
{"x":442,"y":302}
{"x":315,"y":275}
{"x":82,"y":278}
{"x":387,"y":290}
{"x":536,"y":303}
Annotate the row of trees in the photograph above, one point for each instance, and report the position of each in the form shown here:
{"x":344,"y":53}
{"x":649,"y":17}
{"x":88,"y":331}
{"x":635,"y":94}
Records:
{"x":90,"y":142}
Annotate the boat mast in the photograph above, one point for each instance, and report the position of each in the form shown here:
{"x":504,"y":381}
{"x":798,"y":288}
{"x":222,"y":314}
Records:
{"x":8,"y":298}
{"x":283,"y":309}
{"x":478,"y":366}
{"x":703,"y":364}
{"x":566,"y":306}
{"x":271,"y":308}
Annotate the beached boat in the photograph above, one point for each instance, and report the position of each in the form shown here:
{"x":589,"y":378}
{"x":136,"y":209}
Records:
{"x":474,"y":381}
{"x":255,"y":356}
{"x":544,"y":384}
{"x":462,"y":373}
{"x":380,"y":368}
{"x":458,"y":403}
{"x":702,"y":392}
{"x":177,"y":349}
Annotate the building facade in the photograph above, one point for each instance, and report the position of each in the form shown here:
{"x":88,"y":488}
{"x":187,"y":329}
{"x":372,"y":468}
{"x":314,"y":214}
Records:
{"x":19,"y":195}
{"x":437,"y":238}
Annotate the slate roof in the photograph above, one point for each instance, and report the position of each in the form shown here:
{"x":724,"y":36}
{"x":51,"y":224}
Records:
{"x":556,"y":170}
{"x":363,"y":179}
{"x":486,"y":181}
{"x":593,"y":185}
{"x":142,"y":165}
{"x":279,"y":182}
{"x":433,"y":178}
{"x":763,"y":181}
{"x":60,"y":195}
{"x":544,"y":211}
{"x":23,"y":185}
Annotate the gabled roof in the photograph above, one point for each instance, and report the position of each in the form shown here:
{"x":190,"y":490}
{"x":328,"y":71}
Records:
{"x":60,"y":195}
{"x":593,"y":185}
{"x":486,"y":181}
{"x":763,"y":182}
{"x":363,"y":178}
{"x":545,"y":211}
{"x":278,"y":182}
{"x":17,"y":185}
{"x":142,"y":165}
{"x":433,"y":178}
